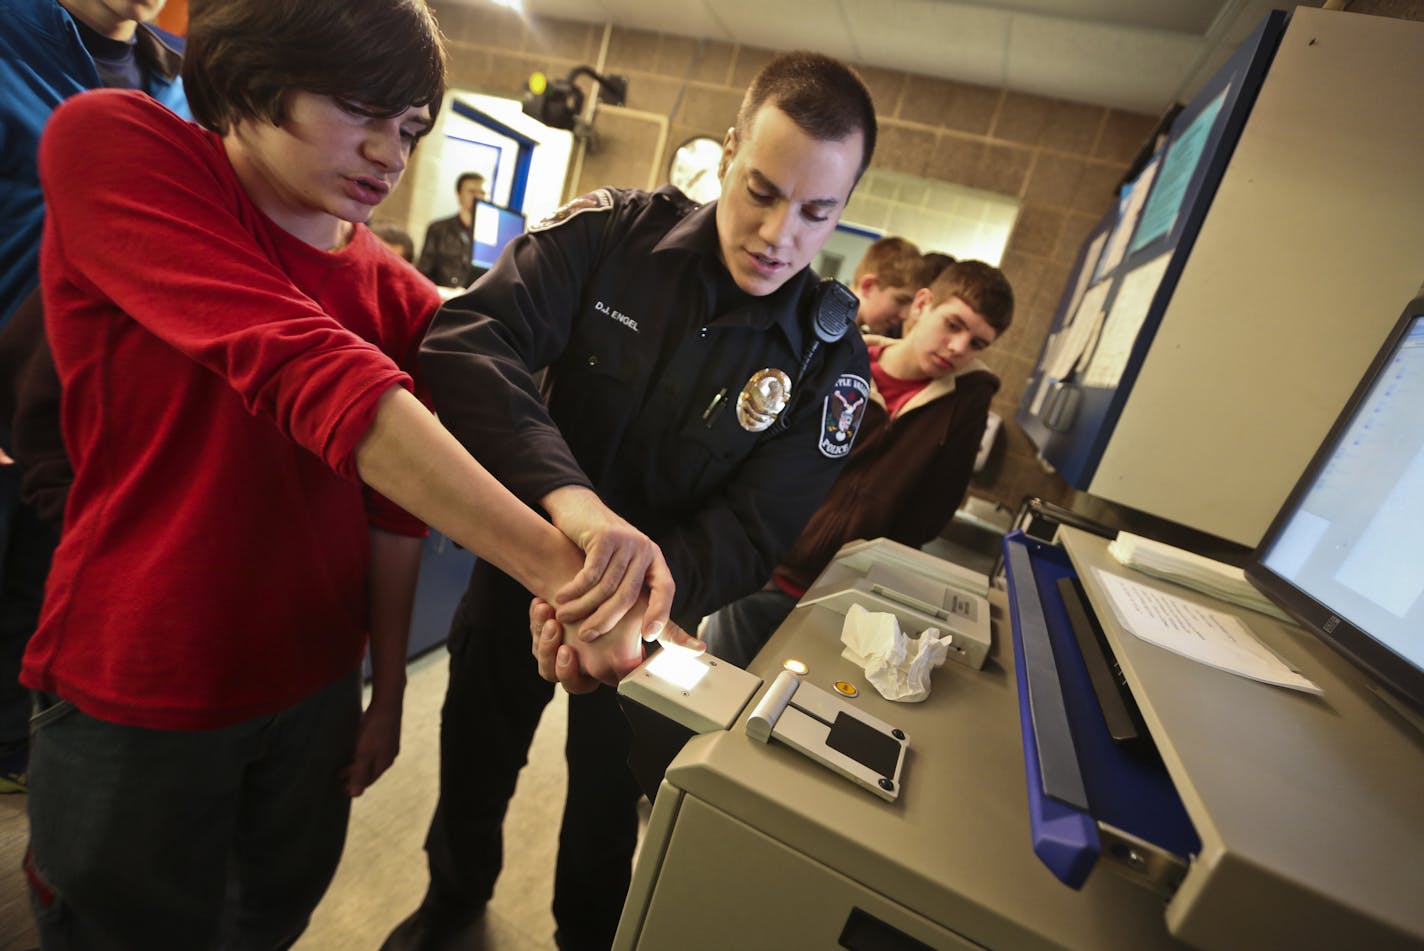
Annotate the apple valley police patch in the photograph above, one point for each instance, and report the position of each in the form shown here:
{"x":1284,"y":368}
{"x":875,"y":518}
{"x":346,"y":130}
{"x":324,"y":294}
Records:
{"x":601,"y":200}
{"x":841,"y":414}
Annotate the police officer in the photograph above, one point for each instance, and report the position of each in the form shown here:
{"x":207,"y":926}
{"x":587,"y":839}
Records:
{"x":694,"y":361}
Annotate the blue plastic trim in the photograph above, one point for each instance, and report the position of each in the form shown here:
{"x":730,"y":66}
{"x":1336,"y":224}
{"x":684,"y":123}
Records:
{"x":1065,"y":838}
{"x":1130,"y":792}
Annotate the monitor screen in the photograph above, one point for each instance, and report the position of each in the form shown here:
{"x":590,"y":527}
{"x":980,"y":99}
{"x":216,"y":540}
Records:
{"x":494,"y":228}
{"x":1345,"y":555}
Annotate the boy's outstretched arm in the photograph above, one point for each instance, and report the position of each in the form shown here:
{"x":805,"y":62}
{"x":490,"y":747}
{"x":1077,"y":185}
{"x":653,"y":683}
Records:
{"x":411,"y":459}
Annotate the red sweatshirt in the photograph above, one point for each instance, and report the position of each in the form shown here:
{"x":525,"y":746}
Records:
{"x":218,"y":374}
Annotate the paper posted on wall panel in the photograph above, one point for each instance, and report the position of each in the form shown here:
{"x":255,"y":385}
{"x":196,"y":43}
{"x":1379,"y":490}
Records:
{"x":1069,"y":342}
{"x":1214,"y":638}
{"x":1124,"y":322}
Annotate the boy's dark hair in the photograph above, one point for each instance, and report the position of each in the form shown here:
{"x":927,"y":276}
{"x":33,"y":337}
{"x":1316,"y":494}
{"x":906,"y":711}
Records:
{"x":823,"y":96}
{"x":895,"y":262}
{"x":394,"y":234}
{"x":465,"y":177}
{"x":378,"y":57}
{"x":981,"y":286}
{"x":934,"y":262}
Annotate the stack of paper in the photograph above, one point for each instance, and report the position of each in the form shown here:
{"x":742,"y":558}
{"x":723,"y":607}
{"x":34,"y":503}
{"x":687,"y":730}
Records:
{"x":1185,"y":568}
{"x":1209,"y":637}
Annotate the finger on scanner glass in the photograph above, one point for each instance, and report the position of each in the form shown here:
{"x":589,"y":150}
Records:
{"x":676,"y":637}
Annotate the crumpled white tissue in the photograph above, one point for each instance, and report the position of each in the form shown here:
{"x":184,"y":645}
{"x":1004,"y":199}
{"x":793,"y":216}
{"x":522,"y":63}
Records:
{"x":895,"y":664}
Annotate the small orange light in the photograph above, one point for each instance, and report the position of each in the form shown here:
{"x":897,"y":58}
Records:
{"x":795,"y":666}
{"x":846,"y":688}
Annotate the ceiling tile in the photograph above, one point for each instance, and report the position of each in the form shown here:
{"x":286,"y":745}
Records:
{"x":1139,"y":70}
{"x":592,"y":11}
{"x":683,"y":17}
{"x":788,"y":24}
{"x":1192,"y":17}
{"x":932,"y":38}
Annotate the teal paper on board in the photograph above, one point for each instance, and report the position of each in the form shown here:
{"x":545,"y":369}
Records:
{"x":1176,"y":174}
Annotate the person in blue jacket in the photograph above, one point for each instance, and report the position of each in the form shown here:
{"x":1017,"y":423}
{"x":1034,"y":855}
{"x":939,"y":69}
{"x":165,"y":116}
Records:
{"x":49,"y":51}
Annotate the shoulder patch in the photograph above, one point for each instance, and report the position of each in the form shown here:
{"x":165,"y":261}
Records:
{"x":841,"y":414}
{"x":600,"y":200}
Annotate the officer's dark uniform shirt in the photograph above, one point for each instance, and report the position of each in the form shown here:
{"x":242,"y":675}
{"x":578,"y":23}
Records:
{"x":648,"y":343}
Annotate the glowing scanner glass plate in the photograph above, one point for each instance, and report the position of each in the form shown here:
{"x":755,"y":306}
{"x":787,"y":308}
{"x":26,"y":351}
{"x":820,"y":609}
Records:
{"x":679,"y":667}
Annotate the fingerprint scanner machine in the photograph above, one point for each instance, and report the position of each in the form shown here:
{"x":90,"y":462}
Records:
{"x":676,"y":694}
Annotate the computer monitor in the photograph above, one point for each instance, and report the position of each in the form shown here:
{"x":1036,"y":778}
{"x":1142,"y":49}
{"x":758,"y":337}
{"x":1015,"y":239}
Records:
{"x":1345,"y":554}
{"x":494,"y":228}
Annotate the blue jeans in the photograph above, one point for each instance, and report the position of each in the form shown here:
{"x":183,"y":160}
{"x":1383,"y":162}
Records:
{"x":741,"y":629}
{"x":157,"y":839}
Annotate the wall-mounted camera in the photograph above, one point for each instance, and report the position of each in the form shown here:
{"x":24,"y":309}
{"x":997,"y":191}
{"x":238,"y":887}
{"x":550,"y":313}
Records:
{"x":558,"y":103}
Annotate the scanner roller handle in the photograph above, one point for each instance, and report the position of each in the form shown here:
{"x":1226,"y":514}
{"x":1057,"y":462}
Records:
{"x":769,"y":708}
{"x":924,"y":607}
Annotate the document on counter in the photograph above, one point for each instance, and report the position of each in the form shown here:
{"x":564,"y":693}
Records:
{"x":1209,"y":637}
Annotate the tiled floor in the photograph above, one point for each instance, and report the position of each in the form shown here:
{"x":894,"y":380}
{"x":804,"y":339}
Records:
{"x":382,"y":874}
{"x":16,"y":930}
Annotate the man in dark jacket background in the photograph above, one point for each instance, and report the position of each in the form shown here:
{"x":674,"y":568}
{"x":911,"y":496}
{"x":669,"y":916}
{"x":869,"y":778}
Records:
{"x":446,"y":255}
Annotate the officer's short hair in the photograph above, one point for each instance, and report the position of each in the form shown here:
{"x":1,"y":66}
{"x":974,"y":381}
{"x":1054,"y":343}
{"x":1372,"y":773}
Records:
{"x":981,"y":286}
{"x":468,"y":177}
{"x":824,"y":97}
{"x":379,"y":57}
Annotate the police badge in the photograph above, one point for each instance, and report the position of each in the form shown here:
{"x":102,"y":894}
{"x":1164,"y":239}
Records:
{"x":762,"y":399}
{"x":841,"y":414}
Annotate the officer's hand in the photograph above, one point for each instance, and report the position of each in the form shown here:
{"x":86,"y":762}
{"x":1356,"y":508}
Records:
{"x":547,"y":643}
{"x":580,"y":666}
{"x":565,"y":663}
{"x":614,"y":655}
{"x":619,"y":562}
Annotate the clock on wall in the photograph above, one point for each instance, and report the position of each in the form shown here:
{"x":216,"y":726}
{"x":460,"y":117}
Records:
{"x":694,"y":168}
